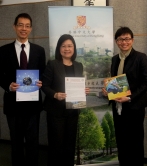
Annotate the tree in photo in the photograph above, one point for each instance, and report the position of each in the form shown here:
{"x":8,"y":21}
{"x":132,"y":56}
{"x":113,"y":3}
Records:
{"x":90,"y":135}
{"x":107,"y":132}
{"x":110,"y":122}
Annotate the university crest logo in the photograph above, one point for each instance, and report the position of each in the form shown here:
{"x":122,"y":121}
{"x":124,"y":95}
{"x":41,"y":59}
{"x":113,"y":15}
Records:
{"x":81,"y":21}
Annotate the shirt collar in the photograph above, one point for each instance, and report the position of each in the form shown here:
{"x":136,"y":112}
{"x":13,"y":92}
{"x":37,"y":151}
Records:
{"x":19,"y":44}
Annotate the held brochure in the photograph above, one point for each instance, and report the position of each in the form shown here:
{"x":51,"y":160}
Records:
{"x":117,"y":86}
{"x":75,"y":91}
{"x":28,"y":90}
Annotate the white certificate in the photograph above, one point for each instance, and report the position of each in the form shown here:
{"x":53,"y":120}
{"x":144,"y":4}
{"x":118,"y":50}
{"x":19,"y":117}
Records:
{"x":28,"y":90}
{"x":75,"y":91}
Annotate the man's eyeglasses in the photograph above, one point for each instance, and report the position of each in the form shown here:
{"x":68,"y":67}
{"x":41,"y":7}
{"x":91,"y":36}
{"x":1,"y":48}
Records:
{"x":120,"y":40}
{"x":24,"y":26}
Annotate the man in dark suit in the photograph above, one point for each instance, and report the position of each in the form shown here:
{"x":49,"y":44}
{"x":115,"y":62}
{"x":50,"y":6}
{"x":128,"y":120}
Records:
{"x":22,"y":117}
{"x":129,"y":112}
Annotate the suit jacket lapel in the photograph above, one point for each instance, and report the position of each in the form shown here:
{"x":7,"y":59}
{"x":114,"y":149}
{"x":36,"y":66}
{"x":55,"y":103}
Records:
{"x":114,"y":69}
{"x":128,"y":61}
{"x":60,"y":68}
{"x":31,"y":57}
{"x":13,"y":56}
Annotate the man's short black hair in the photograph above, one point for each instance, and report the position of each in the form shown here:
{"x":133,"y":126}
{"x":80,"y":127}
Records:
{"x":23,"y":15}
{"x":122,"y":31}
{"x":63,"y":38}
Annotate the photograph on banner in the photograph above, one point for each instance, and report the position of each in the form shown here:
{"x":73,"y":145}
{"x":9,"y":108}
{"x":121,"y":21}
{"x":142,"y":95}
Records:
{"x":92,"y":29}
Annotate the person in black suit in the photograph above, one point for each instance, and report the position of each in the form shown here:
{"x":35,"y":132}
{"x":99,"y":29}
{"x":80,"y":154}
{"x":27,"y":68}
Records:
{"x":62,"y":122}
{"x":129,"y":112}
{"x":22,"y":117}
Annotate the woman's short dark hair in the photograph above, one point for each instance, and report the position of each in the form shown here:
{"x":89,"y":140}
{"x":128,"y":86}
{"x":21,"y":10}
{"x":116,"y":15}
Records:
{"x":122,"y":31}
{"x":63,"y":38}
{"x":23,"y":15}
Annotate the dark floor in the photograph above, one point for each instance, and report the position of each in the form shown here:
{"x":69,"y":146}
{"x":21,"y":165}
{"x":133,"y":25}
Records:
{"x":5,"y":158}
{"x":5,"y":152}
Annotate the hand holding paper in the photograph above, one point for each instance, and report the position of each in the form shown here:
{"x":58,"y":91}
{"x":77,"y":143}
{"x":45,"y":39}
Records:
{"x":116,"y":87}
{"x":29,"y":85}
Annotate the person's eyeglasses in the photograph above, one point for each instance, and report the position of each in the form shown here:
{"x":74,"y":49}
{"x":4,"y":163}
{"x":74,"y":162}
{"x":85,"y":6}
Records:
{"x":24,"y":26}
{"x":120,"y":40}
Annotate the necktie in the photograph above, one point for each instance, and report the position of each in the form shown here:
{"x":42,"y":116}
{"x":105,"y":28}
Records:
{"x":121,"y":66}
{"x":120,"y":71}
{"x":23,"y":58}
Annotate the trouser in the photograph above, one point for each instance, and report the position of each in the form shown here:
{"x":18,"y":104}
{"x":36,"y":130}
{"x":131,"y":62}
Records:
{"x":24,"y":128}
{"x":130,"y":137}
{"x":61,"y":139}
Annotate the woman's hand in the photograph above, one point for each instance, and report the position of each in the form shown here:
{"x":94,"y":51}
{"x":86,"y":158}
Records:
{"x":87,"y":90}
{"x":60,"y":96}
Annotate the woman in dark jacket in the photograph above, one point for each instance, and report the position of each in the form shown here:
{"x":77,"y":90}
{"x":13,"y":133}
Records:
{"x":62,"y":122}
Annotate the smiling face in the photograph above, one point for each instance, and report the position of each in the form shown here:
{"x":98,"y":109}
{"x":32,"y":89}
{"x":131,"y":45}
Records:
{"x":124,"y":42}
{"x":67,"y":49}
{"x":23,"y":29}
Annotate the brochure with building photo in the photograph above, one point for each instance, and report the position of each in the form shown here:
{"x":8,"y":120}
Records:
{"x":117,"y":86}
{"x":28,"y":90}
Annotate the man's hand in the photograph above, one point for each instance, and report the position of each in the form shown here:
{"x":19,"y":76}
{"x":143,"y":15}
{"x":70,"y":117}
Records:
{"x":39,"y":84}
{"x":105,"y":93}
{"x":122,"y":99}
{"x":13,"y":86}
{"x":60,"y":96}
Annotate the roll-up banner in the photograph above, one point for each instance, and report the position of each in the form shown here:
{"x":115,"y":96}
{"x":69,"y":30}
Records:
{"x":92,"y":29}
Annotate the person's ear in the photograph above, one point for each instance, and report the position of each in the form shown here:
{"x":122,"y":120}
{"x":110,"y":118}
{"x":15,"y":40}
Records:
{"x":132,"y":40}
{"x":14,"y":27}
